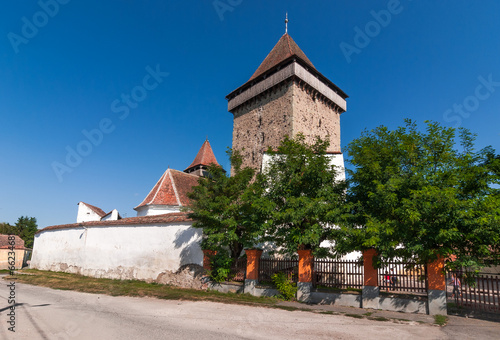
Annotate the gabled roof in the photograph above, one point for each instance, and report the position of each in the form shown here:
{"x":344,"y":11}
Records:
{"x":284,"y":49}
{"x":4,"y":242}
{"x":171,"y":189}
{"x":156,"y":219}
{"x":95,"y":209}
{"x":204,"y":157}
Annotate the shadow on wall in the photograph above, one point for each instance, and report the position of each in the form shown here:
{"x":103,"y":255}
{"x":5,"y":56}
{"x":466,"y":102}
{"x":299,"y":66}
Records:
{"x":189,"y":241}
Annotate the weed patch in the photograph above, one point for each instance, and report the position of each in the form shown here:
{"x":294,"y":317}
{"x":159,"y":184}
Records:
{"x":440,"y":320}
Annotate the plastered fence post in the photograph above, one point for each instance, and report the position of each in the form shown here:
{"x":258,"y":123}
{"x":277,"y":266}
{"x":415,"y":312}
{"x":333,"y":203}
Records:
{"x":207,"y":258}
{"x":371,"y":290}
{"x":252,"y":276}
{"x":436,"y":291}
{"x":306,"y":263}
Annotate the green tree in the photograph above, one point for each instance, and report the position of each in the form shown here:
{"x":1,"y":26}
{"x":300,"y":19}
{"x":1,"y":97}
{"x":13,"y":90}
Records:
{"x":219,"y":205}
{"x":416,"y":194}
{"x":301,"y":196}
{"x":26,"y":228}
{"x":7,"y":229}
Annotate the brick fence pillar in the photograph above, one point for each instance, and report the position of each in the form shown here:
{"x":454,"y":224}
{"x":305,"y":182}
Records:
{"x":207,"y":258}
{"x":253,"y":257}
{"x":306,"y":263}
{"x":436,"y":287}
{"x":252,"y":276}
{"x":371,"y":291}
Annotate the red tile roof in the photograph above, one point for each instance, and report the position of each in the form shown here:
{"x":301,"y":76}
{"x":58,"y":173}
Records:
{"x":204,"y":157}
{"x":171,"y":189}
{"x":95,"y":209}
{"x":4,"y":242}
{"x":155,"y":219}
{"x":284,"y":49}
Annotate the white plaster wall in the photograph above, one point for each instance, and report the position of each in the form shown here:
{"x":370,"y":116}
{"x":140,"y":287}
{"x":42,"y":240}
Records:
{"x":85,"y":214}
{"x":111,"y":217}
{"x":118,"y":252}
{"x":335,"y":159}
{"x":150,"y":210}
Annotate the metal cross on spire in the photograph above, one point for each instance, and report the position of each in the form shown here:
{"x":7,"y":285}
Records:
{"x":286,"y":23}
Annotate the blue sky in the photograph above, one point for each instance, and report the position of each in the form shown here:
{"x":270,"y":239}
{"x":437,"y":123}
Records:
{"x":69,"y":68}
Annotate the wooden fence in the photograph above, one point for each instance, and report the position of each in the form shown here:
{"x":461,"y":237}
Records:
{"x":402,"y":277}
{"x":268,"y":267}
{"x":340,"y":274}
{"x":482,"y":294}
{"x":238,"y":270}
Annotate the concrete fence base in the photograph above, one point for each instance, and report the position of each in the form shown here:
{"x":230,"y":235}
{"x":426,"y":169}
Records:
{"x":369,"y":298}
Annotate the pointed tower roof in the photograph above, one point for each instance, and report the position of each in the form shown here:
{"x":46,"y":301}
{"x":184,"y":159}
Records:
{"x":205,"y":157}
{"x":284,"y":49}
{"x":171,"y":189}
{"x":286,"y":60}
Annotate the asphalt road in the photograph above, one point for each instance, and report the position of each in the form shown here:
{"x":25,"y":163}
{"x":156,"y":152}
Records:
{"x":43,"y":313}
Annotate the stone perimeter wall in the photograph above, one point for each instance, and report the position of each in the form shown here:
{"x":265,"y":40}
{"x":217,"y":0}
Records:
{"x":139,"y":252}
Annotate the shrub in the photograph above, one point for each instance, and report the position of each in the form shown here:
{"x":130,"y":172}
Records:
{"x":221,"y":267}
{"x":286,"y":287}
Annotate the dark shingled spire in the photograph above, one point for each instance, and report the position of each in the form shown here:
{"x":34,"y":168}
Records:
{"x":284,"y":49}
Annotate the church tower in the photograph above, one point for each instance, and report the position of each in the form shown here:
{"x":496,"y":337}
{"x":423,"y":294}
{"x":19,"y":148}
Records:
{"x":285,"y":96}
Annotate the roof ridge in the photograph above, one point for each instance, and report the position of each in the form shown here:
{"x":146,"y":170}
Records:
{"x":288,"y":42}
{"x":175,"y":189}
{"x":162,"y":179}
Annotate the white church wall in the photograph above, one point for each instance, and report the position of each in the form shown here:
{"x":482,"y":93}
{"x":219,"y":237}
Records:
{"x":118,"y":252}
{"x":85,"y":214}
{"x":335,"y":159}
{"x":150,"y":210}
{"x":112,"y":216}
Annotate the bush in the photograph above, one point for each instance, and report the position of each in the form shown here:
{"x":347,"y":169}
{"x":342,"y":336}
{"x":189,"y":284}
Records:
{"x":221,"y":267}
{"x":286,"y":287}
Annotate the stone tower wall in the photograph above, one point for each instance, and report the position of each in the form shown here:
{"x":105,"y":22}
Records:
{"x":314,"y":115}
{"x":286,"y":109}
{"x":262,"y":122}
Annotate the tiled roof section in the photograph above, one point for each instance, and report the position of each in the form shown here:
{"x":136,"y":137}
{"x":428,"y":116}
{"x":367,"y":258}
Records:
{"x":184,"y":183}
{"x":204,"y":157}
{"x":4,"y":242}
{"x":97,"y":210}
{"x":284,"y":49}
{"x":171,"y":189}
{"x":155,"y":219}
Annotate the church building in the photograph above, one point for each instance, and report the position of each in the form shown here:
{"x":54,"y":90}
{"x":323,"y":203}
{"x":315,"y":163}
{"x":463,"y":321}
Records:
{"x":286,"y":95}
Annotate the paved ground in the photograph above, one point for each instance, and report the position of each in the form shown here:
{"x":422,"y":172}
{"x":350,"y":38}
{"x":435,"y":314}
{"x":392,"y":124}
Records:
{"x":44,"y":313}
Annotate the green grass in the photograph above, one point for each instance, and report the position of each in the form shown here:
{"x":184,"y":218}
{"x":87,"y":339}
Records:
{"x":339,"y":290}
{"x":440,"y":320}
{"x":379,"y":318}
{"x":328,"y":312}
{"x":66,"y":281}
